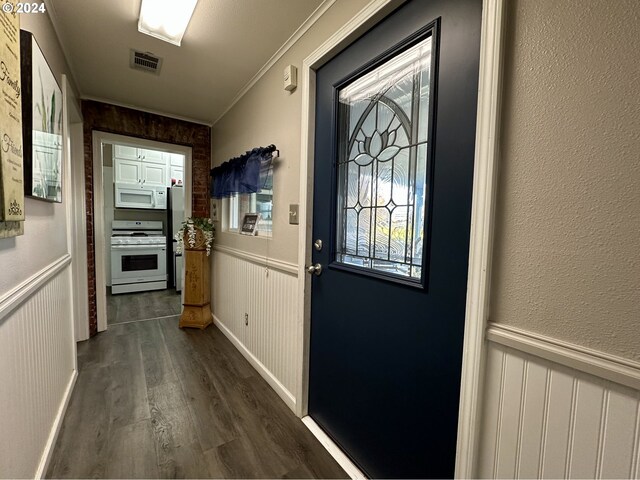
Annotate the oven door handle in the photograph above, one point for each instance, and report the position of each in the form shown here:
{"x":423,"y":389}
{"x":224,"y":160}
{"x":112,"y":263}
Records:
{"x":138,"y":247}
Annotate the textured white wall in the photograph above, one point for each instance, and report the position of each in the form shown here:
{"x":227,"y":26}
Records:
{"x":269,"y":114}
{"x":567,"y":242}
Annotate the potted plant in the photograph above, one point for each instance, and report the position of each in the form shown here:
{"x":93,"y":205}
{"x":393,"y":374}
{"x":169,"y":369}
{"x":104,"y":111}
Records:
{"x":196,"y":233}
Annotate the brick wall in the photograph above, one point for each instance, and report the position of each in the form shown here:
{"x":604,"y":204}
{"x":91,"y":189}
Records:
{"x":134,"y":123}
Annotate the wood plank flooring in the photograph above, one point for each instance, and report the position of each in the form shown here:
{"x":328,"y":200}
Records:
{"x":154,"y":401}
{"x":129,"y":307}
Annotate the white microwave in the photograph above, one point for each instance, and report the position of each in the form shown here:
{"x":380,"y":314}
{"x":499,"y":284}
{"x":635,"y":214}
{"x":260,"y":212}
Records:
{"x":136,"y":196}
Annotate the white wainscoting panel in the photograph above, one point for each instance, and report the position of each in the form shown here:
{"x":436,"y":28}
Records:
{"x":37,"y":360}
{"x":242,"y":284}
{"x":543,"y":419}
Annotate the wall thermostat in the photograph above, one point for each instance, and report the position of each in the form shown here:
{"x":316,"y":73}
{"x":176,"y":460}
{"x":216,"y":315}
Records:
{"x":290,"y":78}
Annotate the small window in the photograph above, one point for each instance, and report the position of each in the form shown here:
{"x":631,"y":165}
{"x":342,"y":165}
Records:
{"x":261,"y":202}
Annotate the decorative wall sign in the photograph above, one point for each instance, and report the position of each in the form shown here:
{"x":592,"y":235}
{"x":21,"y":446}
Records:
{"x":250,"y":224}
{"x":41,"y":124}
{"x":11,"y":162}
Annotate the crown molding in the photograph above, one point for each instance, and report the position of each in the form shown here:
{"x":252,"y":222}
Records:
{"x":306,"y":25}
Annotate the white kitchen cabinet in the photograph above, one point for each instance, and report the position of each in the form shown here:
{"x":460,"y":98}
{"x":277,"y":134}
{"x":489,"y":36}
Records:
{"x":129,"y":153}
{"x":141,"y":166}
{"x":140,"y":154}
{"x":177,"y":174}
{"x":153,"y":156}
{"x":177,"y":159}
{"x":154,"y":175}
{"x":140,"y":173}
{"x":127,"y":171}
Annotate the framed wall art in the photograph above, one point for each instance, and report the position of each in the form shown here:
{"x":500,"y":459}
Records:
{"x":41,"y":123}
{"x":250,"y":224}
{"x":11,"y":174}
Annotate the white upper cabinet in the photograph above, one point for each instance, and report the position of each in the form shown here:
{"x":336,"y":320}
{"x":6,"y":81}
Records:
{"x":146,"y":167}
{"x":153,"y":156}
{"x":177,"y":174}
{"x":127,"y":171}
{"x":154,"y":175}
{"x":141,"y":154}
{"x":129,"y":153}
{"x":177,"y":159}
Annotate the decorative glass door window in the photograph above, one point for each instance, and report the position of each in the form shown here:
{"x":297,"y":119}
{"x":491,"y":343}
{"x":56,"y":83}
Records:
{"x":383,"y":156}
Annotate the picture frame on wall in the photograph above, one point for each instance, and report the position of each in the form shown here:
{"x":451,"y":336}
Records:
{"x":41,"y":123}
{"x":250,"y":224}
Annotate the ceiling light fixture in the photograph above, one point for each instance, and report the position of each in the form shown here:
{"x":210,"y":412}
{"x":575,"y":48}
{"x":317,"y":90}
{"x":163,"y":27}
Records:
{"x":166,"y":19}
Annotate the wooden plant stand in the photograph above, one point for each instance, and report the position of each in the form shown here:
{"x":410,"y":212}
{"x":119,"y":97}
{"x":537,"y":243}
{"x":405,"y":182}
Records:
{"x":197,"y":293}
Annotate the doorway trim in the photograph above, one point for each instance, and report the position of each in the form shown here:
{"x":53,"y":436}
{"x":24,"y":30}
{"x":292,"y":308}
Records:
{"x":99,"y":138}
{"x":482,"y":215}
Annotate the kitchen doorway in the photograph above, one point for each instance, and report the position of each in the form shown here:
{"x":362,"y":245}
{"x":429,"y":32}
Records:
{"x":142,"y":193}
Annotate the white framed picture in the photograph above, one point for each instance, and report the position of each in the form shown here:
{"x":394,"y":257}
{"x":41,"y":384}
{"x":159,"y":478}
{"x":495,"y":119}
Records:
{"x":41,"y":123}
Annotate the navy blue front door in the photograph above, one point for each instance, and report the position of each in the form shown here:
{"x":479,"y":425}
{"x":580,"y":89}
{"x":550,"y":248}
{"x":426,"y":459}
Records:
{"x":395,"y":131}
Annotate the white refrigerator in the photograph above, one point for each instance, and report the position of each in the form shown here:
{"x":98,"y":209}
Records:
{"x":175,"y":212}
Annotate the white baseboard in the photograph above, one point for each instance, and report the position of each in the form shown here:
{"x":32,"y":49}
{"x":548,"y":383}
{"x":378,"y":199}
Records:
{"x":334,"y":450}
{"x":55,"y":429}
{"x":280,"y":389}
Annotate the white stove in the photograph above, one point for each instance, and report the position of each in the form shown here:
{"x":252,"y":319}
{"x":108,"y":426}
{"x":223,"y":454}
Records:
{"x":138,"y":256}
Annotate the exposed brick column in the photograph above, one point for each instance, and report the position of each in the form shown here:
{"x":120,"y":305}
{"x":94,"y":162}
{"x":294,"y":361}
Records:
{"x":134,"y":123}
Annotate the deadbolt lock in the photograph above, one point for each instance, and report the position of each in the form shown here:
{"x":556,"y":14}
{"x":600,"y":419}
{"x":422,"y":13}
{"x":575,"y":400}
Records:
{"x":317,"y":245}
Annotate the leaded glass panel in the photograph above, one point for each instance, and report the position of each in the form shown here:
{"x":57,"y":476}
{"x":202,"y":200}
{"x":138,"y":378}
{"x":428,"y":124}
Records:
{"x":382,"y":165}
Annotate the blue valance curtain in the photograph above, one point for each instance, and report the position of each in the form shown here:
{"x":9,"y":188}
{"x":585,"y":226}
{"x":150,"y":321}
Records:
{"x":248,"y":173}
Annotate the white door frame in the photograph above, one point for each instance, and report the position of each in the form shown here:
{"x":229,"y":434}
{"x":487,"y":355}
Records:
{"x":100,"y":138}
{"x":483,"y":200}
{"x":76,"y":205}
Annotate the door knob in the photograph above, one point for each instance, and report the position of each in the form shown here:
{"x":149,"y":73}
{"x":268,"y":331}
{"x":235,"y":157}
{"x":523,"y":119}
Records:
{"x":315,"y":269}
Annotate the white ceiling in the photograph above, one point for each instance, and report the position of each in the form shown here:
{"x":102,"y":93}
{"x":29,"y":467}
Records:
{"x":226,"y":44}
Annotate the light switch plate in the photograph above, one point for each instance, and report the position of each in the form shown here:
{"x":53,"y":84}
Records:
{"x":293,"y":214}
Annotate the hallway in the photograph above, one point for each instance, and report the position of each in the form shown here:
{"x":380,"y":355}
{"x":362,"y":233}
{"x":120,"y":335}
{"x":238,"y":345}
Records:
{"x":153,"y":401}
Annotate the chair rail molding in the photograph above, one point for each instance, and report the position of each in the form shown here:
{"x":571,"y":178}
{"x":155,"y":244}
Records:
{"x":599,"y":364}
{"x":264,"y":261}
{"x":11,"y":300}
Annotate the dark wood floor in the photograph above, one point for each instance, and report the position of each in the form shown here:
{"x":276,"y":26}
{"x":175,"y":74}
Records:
{"x":129,"y":307}
{"x":154,"y":401}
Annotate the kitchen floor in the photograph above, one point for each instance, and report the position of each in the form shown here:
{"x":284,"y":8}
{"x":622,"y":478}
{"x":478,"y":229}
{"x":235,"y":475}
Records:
{"x":131,"y":307}
{"x":154,"y":401}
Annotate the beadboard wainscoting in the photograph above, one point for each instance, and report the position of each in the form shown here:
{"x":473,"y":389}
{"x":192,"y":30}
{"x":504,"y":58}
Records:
{"x":254,"y":301}
{"x":557,"y":410}
{"x":39,"y":370}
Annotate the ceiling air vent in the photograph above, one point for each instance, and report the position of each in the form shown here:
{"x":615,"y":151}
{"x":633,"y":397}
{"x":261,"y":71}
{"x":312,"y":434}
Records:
{"x":145,"y":61}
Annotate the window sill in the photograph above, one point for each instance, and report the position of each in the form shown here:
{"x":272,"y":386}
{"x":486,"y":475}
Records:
{"x":265,"y":235}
